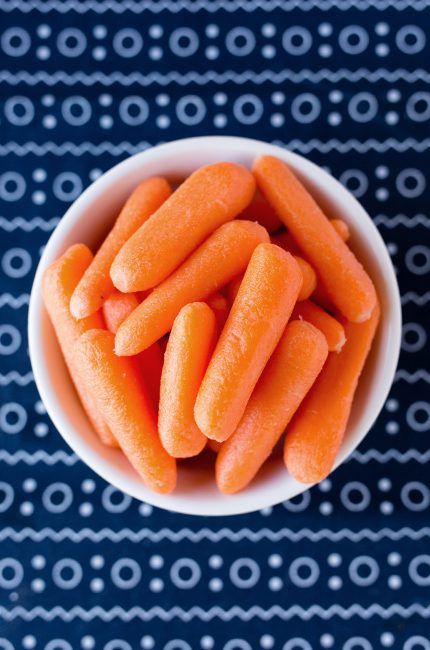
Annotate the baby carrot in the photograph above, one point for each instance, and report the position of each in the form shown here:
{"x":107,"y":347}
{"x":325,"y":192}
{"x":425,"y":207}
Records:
{"x":308,"y":285}
{"x":262,"y":212}
{"x":59,"y":282}
{"x":190,"y":345}
{"x":285,"y":241}
{"x":317,"y":429}
{"x":116,"y":308}
{"x":233,"y":288}
{"x":309,"y":278}
{"x":96,"y":284}
{"x":116,"y":385}
{"x":290,"y":373}
{"x":344,"y":278}
{"x":219,"y":259}
{"x":255,"y":324}
{"x":211,"y":196}
{"x":220,"y":307}
{"x":214,"y":445}
{"x":341,"y":228}
{"x":329,"y":326}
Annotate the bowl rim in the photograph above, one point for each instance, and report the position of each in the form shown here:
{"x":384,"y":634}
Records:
{"x":44,"y":384}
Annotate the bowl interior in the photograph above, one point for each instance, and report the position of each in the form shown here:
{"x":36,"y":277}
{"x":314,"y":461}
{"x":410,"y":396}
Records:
{"x":89,"y":219}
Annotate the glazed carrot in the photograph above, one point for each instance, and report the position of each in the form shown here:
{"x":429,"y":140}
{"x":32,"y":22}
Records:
{"x":233,"y":288}
{"x":342,"y":275}
{"x":290,"y":373}
{"x":317,"y":430}
{"x":116,"y":385}
{"x":211,"y":196}
{"x":219,"y":259}
{"x":261,"y":212}
{"x":96,"y":284}
{"x":341,"y":228}
{"x":59,"y":282}
{"x":190,"y":345}
{"x":220,"y":307}
{"x":116,"y":308}
{"x":309,"y":278}
{"x":257,"y":319}
{"x":329,"y":326}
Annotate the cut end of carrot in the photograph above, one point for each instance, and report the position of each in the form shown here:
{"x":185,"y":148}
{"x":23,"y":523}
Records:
{"x":79,"y":306}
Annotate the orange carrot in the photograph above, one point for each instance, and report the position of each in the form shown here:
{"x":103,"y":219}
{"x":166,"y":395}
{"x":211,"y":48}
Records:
{"x":116,"y":308}
{"x":290,"y":373}
{"x":233,"y":288}
{"x":309,"y":278}
{"x":317,"y":430}
{"x":214,"y":445}
{"x":116,"y":385}
{"x":329,"y":326}
{"x":96,"y":284}
{"x":219,"y":259}
{"x":220,"y":307}
{"x":342,"y":275}
{"x":257,"y":319}
{"x":308,"y":285}
{"x":341,"y":228}
{"x":262,"y":212}
{"x":59,"y":282}
{"x":191,"y":343}
{"x":285,"y":241}
{"x":211,"y":196}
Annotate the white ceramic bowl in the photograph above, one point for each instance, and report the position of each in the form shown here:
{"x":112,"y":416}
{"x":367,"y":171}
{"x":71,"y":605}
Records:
{"x":90,"y":217}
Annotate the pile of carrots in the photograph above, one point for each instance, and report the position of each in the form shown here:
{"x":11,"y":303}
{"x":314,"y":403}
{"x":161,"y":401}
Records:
{"x":221,"y":314}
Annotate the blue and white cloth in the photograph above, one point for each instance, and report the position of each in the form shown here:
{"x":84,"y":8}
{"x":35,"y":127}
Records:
{"x":83,"y":84}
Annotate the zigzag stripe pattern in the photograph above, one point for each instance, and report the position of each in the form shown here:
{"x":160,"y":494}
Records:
{"x":193,"y":6}
{"x":402,"y":220}
{"x":39,"y":456}
{"x":201,"y":79}
{"x":411,"y":296}
{"x":6,"y":299}
{"x":205,"y":534}
{"x":13,"y":377}
{"x":413,"y":377}
{"x":380,"y":146}
{"x":236,"y":612}
{"x":391,"y":454}
{"x":19,"y":223}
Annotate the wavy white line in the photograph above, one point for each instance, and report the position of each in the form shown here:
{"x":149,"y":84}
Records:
{"x":402,"y":220}
{"x":236,"y":612}
{"x":206,"y":534}
{"x":28,"y":225}
{"x":39,"y":456}
{"x":194,"y":6}
{"x":411,"y":296}
{"x":380,"y":146}
{"x":13,"y":377}
{"x":14,"y":301}
{"x":391,"y":454}
{"x":211,"y":76}
{"x":19,"y":149}
{"x":413,"y":377}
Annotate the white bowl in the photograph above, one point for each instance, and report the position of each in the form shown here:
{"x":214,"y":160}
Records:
{"x":89,"y":218}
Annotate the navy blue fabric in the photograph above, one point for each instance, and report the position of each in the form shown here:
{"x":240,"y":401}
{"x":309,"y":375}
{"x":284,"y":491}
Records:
{"x":82,"y":86}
